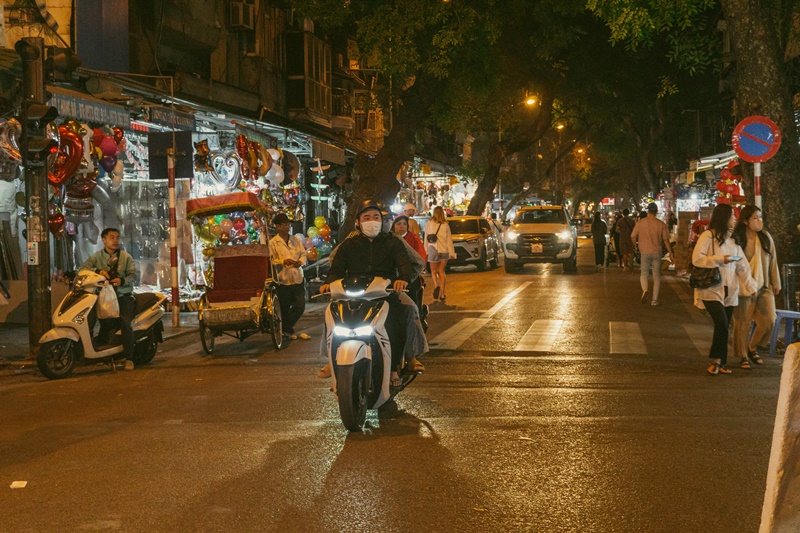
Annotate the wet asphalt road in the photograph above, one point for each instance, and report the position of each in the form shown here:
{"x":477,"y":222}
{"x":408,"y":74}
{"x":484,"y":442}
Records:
{"x":603,"y":428}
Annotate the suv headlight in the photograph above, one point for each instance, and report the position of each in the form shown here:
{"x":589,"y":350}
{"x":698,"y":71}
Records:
{"x":510,"y":236}
{"x":565,"y":235}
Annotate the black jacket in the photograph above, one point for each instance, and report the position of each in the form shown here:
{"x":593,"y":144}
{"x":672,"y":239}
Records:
{"x":384,"y":256}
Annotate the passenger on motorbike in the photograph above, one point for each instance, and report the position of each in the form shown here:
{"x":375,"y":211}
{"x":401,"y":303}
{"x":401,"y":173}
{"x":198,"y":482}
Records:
{"x":118,"y":267}
{"x":375,"y":252}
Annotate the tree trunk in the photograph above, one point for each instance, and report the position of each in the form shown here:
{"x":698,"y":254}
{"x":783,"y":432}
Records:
{"x":764,"y":88}
{"x":526,"y":135}
{"x":377,"y":177}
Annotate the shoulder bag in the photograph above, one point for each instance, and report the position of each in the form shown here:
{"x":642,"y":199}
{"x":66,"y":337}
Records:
{"x":433,"y":238}
{"x":704,"y":278}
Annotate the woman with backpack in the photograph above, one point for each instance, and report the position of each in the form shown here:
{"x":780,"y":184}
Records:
{"x":759,"y":252}
{"x":439,"y":245}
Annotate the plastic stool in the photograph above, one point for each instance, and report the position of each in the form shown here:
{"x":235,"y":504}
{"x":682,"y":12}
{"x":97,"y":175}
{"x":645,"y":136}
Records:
{"x":790,"y":317}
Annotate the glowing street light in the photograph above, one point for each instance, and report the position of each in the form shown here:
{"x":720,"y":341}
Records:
{"x":560,"y":127}
{"x":530,"y":101}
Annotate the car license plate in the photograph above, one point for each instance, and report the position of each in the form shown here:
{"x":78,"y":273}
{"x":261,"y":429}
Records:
{"x":536,"y":248}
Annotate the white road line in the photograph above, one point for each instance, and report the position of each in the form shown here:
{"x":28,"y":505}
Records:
{"x":456,"y":335}
{"x":626,"y":337}
{"x":507,"y":298}
{"x":456,"y":311}
{"x":701,"y":336}
{"x":540,"y":337}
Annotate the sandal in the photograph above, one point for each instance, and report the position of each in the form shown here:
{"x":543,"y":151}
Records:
{"x":436,"y":292}
{"x":717,"y":368}
{"x":755,"y":357}
{"x":744,"y":363}
{"x":324,"y":372}
{"x":395,"y":381}
{"x":413,"y":365}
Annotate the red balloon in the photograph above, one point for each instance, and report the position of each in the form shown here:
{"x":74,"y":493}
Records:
{"x":326,"y":238}
{"x":313,"y":254}
{"x":725,"y":174}
{"x":69,"y":157}
{"x":56,"y":222}
{"x":238,"y":223}
{"x":118,"y":135}
{"x":242,"y":146}
{"x":97,"y":139}
{"x":720,"y":186}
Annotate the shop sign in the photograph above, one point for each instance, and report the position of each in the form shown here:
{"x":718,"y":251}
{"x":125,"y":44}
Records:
{"x":327,"y":152}
{"x":608,"y":201}
{"x":162,"y":116}
{"x":85,"y":110}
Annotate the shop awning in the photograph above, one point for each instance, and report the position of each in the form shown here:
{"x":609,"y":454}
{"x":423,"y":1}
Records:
{"x":222,"y":204}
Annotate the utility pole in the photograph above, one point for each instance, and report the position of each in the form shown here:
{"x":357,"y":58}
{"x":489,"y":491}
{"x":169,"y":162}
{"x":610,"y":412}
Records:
{"x":36,"y":148}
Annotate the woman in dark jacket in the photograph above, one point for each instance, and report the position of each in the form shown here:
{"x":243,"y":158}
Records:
{"x":599,"y":230}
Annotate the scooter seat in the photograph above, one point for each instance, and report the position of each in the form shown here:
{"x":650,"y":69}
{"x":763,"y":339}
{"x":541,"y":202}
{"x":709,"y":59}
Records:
{"x":144,"y":301}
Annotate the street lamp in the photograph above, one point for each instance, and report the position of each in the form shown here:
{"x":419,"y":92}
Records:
{"x":529,"y":101}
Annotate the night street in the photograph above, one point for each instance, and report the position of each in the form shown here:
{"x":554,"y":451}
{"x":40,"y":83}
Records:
{"x":551,"y":402}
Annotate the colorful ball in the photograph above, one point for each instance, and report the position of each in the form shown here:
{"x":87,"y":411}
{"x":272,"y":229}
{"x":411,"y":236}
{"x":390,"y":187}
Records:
{"x":313,"y":254}
{"x":325,"y":230}
{"x":320,"y":221}
{"x":326,"y":248}
{"x":312,"y":232}
{"x":225,"y":238}
{"x":226,"y":225}
{"x":317,"y":241}
{"x":215,"y":229}
{"x":308,"y":244}
{"x":239,"y":223}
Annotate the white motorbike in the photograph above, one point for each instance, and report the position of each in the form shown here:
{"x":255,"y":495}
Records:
{"x":358,"y":347}
{"x":70,"y":339}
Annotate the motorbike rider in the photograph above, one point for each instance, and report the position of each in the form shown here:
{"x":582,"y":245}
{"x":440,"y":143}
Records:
{"x":376,"y":252}
{"x":118,"y":267}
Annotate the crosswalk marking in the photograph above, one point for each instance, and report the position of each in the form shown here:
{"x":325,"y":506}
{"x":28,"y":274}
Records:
{"x":626,"y":338}
{"x":701,"y":336}
{"x":540,"y":337}
{"x":507,"y":298}
{"x":456,"y":335}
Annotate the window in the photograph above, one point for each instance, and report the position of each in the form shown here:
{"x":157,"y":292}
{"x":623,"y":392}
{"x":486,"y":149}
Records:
{"x":463,"y":226}
{"x":541,"y":216}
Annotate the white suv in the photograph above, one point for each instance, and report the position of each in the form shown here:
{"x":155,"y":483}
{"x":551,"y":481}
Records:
{"x":540,"y":234}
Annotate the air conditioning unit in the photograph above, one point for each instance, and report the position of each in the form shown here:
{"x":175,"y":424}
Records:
{"x":243,"y":16}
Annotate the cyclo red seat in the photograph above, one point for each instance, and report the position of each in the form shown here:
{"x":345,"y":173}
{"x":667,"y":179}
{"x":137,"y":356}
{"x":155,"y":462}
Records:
{"x":239,"y":272}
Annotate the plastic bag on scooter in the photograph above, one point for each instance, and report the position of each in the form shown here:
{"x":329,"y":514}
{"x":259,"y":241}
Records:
{"x":107,"y":303}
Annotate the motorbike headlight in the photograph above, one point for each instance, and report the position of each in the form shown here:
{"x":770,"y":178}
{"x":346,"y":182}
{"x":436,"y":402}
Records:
{"x":354,"y":294}
{"x":565,"y":236}
{"x":79,"y":282}
{"x":363,"y":331}
{"x":80,"y":318}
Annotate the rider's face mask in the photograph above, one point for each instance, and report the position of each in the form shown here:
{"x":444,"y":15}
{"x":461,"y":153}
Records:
{"x":371,"y":228}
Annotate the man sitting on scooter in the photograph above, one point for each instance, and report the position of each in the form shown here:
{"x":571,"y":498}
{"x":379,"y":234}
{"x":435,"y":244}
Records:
{"x":118,"y":267}
{"x":374,"y":252}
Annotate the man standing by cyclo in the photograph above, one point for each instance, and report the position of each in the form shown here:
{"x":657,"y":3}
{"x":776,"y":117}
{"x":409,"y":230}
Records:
{"x":288,"y":255}
{"x":118,"y":267}
{"x":377,"y":253}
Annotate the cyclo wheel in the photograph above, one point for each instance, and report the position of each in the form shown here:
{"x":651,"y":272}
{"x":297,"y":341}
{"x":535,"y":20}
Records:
{"x":351,"y":388}
{"x":206,"y":338}
{"x":275,"y":319}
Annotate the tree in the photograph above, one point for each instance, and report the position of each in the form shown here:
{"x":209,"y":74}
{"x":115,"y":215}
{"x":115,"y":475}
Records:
{"x":415,"y":45}
{"x":764,"y":78}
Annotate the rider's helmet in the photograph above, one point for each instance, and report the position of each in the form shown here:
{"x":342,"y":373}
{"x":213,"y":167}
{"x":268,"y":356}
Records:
{"x":370,"y":204}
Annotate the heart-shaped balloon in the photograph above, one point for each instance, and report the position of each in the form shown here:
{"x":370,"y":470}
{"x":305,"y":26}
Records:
{"x":227,"y":168}
{"x":9,"y":133}
{"x":68,"y":159}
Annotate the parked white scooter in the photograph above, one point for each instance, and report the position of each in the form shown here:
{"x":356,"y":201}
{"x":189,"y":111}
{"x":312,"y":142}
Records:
{"x":70,"y":338}
{"x":358,"y":346}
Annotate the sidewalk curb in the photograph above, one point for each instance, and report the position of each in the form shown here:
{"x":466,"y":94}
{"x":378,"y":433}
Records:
{"x":29,"y":366}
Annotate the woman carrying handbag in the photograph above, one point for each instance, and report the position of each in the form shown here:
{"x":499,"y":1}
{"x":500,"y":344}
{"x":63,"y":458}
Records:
{"x":439,"y":244}
{"x":716,"y":249}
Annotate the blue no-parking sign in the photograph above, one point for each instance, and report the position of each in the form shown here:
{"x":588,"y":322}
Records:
{"x":756,"y":139}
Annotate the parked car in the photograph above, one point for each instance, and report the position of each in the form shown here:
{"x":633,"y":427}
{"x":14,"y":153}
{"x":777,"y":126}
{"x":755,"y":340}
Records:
{"x":475,"y":242}
{"x":541,"y":234}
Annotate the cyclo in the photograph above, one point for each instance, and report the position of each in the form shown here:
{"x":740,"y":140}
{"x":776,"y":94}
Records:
{"x":243,"y":300}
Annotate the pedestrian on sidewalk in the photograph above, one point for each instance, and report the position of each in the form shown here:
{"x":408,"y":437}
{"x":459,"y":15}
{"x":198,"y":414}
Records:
{"x":409,"y":210}
{"x":599,"y":230}
{"x":760,"y":253}
{"x":716,"y":249}
{"x":117,"y":266}
{"x":625,"y":227}
{"x":613,"y":219}
{"x":288,"y":255}
{"x":440,"y":249}
{"x":649,"y":235}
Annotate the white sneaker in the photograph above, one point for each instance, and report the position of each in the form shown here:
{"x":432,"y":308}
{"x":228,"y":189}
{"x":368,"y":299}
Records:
{"x":128,"y":364}
{"x":654,"y":303}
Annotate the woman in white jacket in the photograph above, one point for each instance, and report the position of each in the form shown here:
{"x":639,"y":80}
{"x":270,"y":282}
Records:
{"x":439,"y":245}
{"x":716,"y":248}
